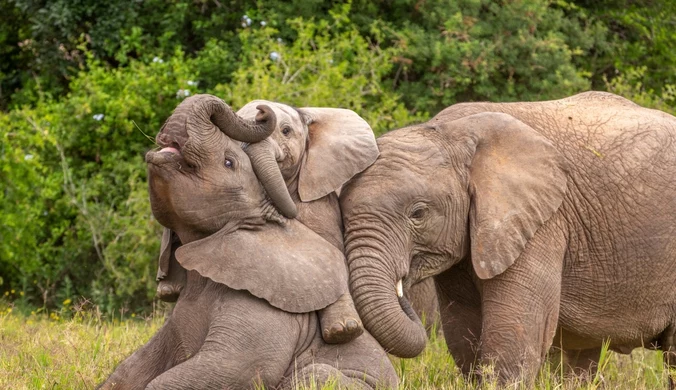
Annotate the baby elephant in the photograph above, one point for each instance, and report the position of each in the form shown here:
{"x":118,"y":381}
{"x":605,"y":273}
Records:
{"x":247,"y":314}
{"x":317,"y":150}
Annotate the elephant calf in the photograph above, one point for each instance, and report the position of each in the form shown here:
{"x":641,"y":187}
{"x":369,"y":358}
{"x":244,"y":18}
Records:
{"x":247,"y":314}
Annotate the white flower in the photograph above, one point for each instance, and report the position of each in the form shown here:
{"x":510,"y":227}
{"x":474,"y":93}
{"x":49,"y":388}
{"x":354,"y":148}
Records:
{"x":181,"y":93}
{"x":246,"y":21}
{"x":158,"y":59}
{"x":274,"y":56}
{"x":28,"y":157}
{"x":97,"y":117}
{"x":263,"y":23}
{"x":192,"y":83}
{"x":279,"y":40}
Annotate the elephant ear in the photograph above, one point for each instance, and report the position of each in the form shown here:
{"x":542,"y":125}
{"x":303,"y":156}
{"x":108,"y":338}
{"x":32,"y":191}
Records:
{"x":517,"y":182}
{"x":289,"y":265}
{"x":340,"y":145}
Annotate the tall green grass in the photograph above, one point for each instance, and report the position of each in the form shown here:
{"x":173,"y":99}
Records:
{"x":39,"y":352}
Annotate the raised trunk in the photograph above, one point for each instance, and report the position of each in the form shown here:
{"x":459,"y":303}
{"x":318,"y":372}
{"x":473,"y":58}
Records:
{"x":386,"y":316}
{"x":199,"y":113}
{"x":210,"y":109}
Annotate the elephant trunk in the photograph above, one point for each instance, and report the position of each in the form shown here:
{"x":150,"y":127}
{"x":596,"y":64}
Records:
{"x":199,"y":114}
{"x":385,"y":314}
{"x":210,"y":109}
{"x":263,"y":159}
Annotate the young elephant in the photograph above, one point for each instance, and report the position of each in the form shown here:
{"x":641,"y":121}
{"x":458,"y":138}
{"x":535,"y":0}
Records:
{"x":317,"y":149}
{"x":246,"y":315}
{"x":541,"y":223}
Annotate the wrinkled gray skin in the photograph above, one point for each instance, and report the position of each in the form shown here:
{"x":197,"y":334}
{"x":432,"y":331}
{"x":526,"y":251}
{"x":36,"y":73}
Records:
{"x":546,"y":223}
{"x":319,"y":149}
{"x":246,"y":314}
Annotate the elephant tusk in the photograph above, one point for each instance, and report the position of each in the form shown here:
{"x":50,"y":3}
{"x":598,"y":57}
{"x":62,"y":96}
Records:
{"x":400,"y":289}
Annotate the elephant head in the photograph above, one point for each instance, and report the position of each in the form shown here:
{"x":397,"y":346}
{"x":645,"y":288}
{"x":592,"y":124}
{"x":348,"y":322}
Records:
{"x":317,"y":149}
{"x":221,"y":199}
{"x":473,"y":188}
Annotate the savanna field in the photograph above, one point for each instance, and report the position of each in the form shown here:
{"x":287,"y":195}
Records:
{"x":47,"y":352}
{"x":85,"y":85}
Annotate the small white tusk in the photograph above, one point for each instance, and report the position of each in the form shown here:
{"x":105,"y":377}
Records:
{"x":400,"y":289}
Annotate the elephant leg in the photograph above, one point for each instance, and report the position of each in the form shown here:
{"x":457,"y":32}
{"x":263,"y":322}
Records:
{"x":171,"y":283}
{"x":423,"y":299}
{"x":582,"y":363}
{"x":151,"y":360}
{"x":460,"y":311}
{"x":315,"y":376}
{"x":205,"y":370}
{"x":520,"y":309}
{"x":340,"y":321}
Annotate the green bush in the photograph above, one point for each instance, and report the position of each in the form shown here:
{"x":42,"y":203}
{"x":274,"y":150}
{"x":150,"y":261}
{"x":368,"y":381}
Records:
{"x":82,"y":81}
{"x":75,"y":219}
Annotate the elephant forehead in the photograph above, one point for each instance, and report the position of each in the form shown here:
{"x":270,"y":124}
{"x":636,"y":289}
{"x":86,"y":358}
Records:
{"x":408,"y":154}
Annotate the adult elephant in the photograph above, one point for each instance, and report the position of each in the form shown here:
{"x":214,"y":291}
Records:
{"x":247,"y":314}
{"x":540,"y":222}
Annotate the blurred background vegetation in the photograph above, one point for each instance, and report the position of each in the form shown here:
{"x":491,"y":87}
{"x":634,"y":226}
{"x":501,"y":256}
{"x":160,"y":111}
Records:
{"x":84,"y":82}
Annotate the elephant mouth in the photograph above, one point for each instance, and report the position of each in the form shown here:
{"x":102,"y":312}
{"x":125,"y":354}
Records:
{"x":164,"y":156}
{"x":170,"y":147}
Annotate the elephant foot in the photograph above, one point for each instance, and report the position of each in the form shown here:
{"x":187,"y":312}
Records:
{"x":340,"y":322}
{"x":168,"y":292}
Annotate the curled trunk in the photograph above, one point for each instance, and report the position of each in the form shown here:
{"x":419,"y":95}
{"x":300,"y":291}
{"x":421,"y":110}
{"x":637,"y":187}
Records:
{"x":199,"y":113}
{"x":387,"y":317}
{"x":263,"y":159}
{"x":210,"y":109}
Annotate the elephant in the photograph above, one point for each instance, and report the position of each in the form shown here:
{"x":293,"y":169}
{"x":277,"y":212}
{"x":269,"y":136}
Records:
{"x":541,"y":223}
{"x":317,"y":150}
{"x":254,"y":278}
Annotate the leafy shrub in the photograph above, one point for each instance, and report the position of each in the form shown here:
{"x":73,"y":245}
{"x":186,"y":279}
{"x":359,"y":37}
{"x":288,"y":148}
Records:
{"x":75,"y":218}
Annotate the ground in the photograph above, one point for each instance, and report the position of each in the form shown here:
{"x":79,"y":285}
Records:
{"x":48,"y":352}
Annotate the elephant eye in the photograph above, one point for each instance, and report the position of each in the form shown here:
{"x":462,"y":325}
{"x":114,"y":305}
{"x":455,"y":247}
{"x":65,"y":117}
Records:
{"x":228,"y":163}
{"x":286,"y":130}
{"x":418,"y":213}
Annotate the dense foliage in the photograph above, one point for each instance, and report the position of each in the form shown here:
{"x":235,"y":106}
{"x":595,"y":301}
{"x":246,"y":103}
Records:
{"x":84,"y":86}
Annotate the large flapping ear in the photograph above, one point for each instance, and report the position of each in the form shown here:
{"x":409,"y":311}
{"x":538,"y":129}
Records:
{"x":289,"y":265}
{"x":341,"y":144}
{"x":517,"y":181}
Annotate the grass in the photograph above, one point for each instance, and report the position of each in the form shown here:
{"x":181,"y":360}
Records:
{"x":41,"y":352}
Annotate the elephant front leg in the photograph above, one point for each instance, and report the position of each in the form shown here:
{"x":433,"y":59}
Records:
{"x":136,"y":371}
{"x":520,"y":310}
{"x":460,"y":310}
{"x":340,"y":322}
